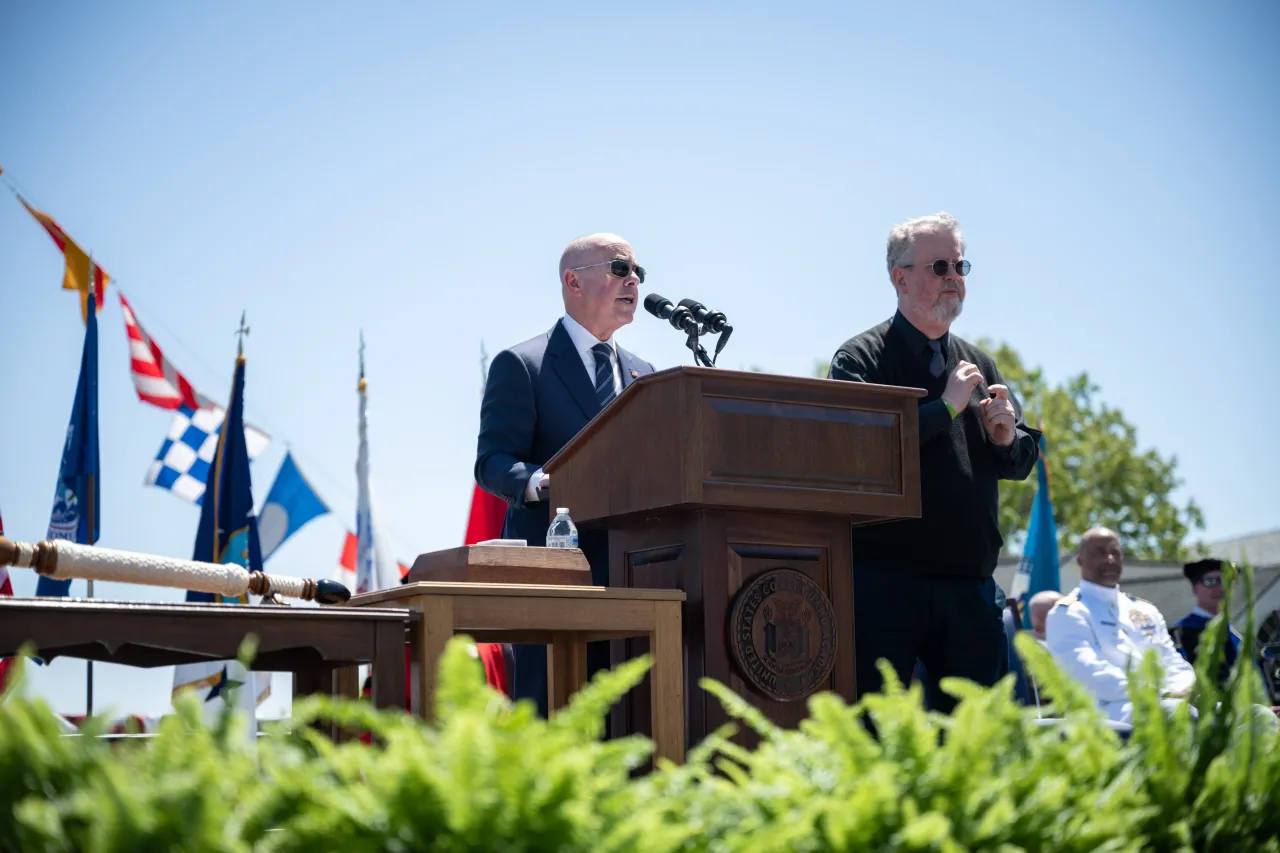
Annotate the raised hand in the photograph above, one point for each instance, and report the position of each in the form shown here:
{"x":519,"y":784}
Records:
{"x":960,"y":385}
{"x":998,"y":417}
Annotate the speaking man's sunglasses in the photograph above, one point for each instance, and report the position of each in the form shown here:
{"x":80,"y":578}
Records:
{"x":620,"y":268}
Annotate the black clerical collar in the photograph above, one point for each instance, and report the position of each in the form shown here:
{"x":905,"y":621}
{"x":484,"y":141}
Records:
{"x":915,"y":338}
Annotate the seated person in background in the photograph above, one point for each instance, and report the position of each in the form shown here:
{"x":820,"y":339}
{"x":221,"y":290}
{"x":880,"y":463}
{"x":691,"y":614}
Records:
{"x":1098,"y":634}
{"x":1038,"y":610}
{"x":1206,"y":586}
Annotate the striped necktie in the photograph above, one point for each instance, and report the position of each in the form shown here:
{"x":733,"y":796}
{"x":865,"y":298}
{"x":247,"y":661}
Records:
{"x":604,"y":374}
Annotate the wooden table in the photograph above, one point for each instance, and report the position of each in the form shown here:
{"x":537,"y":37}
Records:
{"x":565,"y":619}
{"x":319,"y":645}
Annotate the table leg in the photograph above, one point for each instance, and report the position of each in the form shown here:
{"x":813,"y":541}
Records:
{"x":667,"y":681}
{"x":388,"y":665}
{"x":430,"y":636}
{"x":312,"y":680}
{"x":316,"y":680}
{"x":566,"y":668}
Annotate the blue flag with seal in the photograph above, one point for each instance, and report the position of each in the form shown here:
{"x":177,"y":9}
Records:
{"x":77,"y":497}
{"x":290,"y":504}
{"x":1038,"y":568}
{"x":228,"y":533}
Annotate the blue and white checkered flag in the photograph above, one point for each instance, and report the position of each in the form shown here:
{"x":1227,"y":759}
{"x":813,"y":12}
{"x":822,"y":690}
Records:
{"x":183,"y":463}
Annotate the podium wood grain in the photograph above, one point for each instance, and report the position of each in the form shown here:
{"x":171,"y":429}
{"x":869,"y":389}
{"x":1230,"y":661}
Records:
{"x":708,"y":478}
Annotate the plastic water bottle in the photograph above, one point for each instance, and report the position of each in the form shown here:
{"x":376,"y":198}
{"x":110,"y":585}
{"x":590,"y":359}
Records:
{"x":562,"y":533}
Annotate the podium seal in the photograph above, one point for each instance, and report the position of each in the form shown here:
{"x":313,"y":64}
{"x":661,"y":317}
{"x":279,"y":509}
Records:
{"x":782,"y":632}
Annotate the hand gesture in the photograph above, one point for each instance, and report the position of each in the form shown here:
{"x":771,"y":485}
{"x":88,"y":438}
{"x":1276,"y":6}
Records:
{"x":960,"y":385}
{"x":998,"y":416}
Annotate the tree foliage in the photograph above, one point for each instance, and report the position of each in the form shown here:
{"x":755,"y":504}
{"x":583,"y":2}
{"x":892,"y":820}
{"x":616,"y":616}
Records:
{"x":1098,"y":475}
{"x":489,"y":775}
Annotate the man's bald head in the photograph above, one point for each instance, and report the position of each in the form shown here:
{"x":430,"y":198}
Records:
{"x":1095,"y":533}
{"x":1100,"y":558}
{"x":1038,"y":610}
{"x":598,"y":299}
{"x":592,"y":249}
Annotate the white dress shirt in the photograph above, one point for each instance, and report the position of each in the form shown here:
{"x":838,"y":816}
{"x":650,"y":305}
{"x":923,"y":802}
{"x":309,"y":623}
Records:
{"x":1098,"y":635}
{"x":583,"y":341}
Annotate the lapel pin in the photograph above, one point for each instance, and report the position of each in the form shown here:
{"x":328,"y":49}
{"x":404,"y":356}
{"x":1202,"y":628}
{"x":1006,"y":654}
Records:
{"x":635,"y":375}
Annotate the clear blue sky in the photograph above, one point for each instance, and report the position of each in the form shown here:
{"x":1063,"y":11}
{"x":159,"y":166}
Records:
{"x":413,"y":170}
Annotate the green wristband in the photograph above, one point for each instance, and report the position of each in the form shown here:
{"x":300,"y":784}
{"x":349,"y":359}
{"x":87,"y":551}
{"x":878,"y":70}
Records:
{"x":950,"y":409}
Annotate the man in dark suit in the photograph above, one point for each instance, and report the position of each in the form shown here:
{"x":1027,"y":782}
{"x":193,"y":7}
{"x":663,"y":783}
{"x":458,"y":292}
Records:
{"x":541,"y":393}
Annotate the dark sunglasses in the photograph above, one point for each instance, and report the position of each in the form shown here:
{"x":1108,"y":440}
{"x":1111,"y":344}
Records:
{"x":620,"y":268}
{"x":940,"y":267}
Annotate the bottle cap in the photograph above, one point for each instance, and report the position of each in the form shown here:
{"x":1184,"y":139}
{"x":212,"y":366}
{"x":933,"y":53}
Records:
{"x":562,"y":510}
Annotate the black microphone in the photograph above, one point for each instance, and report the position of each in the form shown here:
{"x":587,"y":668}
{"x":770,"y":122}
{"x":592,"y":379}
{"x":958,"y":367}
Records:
{"x":680,"y":317}
{"x":713,"y":321}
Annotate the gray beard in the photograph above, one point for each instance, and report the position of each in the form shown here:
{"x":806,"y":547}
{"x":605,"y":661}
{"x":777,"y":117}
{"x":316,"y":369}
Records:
{"x":943,"y":312}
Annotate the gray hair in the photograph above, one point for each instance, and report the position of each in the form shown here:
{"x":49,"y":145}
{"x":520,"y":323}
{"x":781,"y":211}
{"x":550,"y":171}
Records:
{"x":902,"y":237}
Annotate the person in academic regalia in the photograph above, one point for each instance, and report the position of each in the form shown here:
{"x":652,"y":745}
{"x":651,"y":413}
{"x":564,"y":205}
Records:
{"x":1206,"y":585}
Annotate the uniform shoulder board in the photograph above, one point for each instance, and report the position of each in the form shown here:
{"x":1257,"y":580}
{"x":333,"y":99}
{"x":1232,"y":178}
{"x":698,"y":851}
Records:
{"x":1138,"y":600}
{"x":1068,"y":599}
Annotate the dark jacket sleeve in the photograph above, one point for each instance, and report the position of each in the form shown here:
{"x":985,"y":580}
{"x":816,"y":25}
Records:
{"x":853,"y":365}
{"x":1016,"y":461}
{"x":508,"y":416}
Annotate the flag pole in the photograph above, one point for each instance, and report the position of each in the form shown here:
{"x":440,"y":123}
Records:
{"x":90,"y":513}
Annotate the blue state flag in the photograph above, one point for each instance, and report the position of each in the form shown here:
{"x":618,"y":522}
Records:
{"x":1038,"y":569}
{"x":228,"y":533}
{"x":290,"y":504}
{"x":77,"y":497}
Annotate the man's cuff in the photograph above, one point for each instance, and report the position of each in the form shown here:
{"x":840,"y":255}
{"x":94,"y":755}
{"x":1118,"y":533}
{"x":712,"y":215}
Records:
{"x":531,"y":490}
{"x":1004,"y":451}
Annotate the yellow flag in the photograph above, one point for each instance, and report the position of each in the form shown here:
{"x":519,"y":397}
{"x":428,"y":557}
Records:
{"x":77,"y":274}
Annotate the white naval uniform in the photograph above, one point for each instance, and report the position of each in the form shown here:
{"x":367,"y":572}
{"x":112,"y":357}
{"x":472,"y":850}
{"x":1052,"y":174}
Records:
{"x":1098,"y":634}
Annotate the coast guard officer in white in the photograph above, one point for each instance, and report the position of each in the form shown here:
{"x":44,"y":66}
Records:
{"x":1098,"y":634}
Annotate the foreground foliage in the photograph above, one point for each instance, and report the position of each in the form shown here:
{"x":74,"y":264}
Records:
{"x":491,"y":776}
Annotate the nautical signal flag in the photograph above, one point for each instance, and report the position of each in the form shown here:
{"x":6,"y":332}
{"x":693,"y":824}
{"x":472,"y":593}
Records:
{"x":156,"y":380}
{"x":77,"y":496}
{"x":80,"y":270}
{"x":290,"y":504}
{"x":186,"y":456}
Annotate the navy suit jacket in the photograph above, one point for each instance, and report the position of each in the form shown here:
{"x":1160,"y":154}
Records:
{"x":537,"y":398}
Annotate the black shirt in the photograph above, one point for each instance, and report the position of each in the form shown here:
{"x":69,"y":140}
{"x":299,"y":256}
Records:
{"x":958,"y":532}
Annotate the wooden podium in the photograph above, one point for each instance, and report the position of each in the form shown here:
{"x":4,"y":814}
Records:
{"x":740,"y":489}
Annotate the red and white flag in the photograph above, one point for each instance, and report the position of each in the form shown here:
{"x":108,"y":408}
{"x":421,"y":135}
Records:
{"x":345,"y":572}
{"x":157,"y":381}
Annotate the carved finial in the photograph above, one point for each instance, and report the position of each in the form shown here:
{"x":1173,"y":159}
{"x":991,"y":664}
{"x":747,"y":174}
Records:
{"x":360,"y":386}
{"x":240,"y":335}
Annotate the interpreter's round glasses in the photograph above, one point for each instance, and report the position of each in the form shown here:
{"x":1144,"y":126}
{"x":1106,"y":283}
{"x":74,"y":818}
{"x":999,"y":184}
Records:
{"x":620,"y":268}
{"x":941,"y":266}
